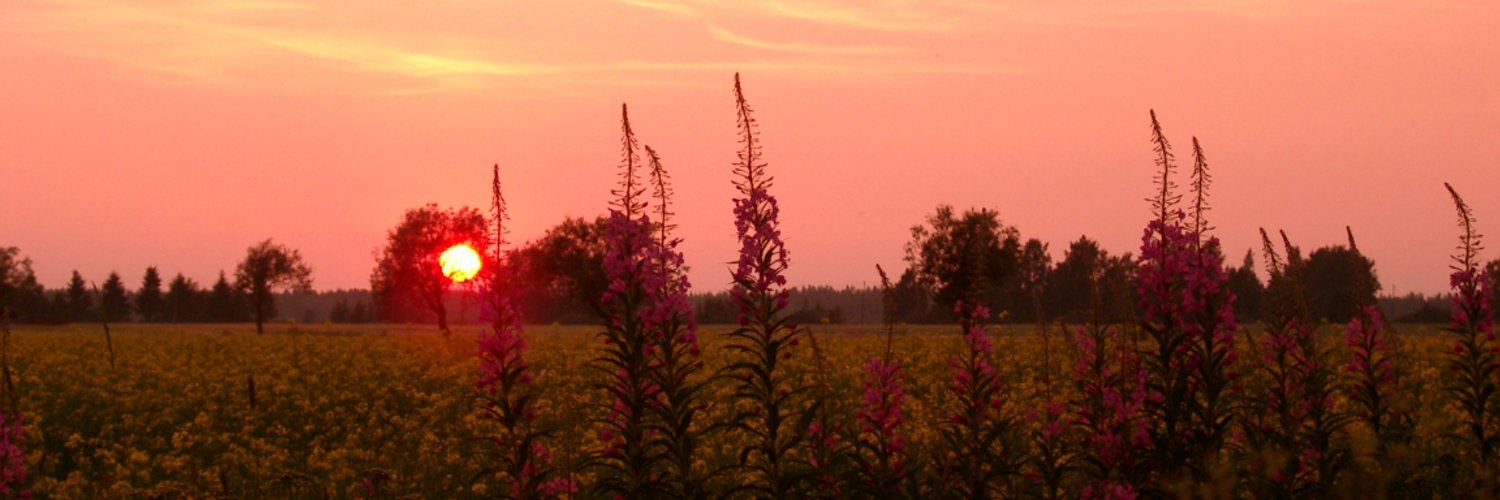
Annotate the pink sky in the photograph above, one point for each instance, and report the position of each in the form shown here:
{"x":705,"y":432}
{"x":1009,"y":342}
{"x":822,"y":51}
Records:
{"x":179,"y":133}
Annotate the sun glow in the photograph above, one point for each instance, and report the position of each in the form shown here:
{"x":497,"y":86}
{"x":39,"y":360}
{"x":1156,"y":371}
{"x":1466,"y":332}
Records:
{"x":460,"y":263}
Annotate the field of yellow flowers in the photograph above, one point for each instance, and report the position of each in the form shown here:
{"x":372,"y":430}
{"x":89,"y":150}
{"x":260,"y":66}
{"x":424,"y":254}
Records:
{"x":391,"y":411}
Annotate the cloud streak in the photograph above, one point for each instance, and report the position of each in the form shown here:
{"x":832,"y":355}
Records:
{"x":244,"y":42}
{"x":725,"y":35}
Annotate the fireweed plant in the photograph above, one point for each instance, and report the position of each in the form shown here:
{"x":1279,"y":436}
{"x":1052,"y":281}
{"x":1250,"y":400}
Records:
{"x":1294,"y":440}
{"x":882,"y":464}
{"x":773,"y":410}
{"x":631,"y":466}
{"x":1053,"y":448}
{"x":830,"y":454}
{"x":1189,"y":317}
{"x":12,"y":424}
{"x":672,"y":329}
{"x":1372,"y":369}
{"x":980,"y":453}
{"x":521,"y":459}
{"x":1474,"y":362}
{"x":1107,"y":423}
{"x":1110,"y":413}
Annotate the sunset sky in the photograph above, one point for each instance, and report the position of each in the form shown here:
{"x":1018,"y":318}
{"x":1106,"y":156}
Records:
{"x":177,"y":133}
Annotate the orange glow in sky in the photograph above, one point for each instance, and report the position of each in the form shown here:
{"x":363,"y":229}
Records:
{"x":178,"y":133}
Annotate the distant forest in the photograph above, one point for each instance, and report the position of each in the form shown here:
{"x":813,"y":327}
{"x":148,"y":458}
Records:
{"x":813,"y":305}
{"x":559,"y":278}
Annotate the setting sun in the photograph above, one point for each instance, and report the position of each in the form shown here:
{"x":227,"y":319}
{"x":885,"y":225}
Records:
{"x":460,"y":263}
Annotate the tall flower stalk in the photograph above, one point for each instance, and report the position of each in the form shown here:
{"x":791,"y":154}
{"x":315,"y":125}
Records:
{"x":1189,"y":316}
{"x":1296,"y":431}
{"x":631,"y":465}
{"x":1111,"y":413}
{"x":1372,"y":367}
{"x":522,"y":460}
{"x":672,"y":327}
{"x":882,"y":444}
{"x":1474,"y":362}
{"x":773,"y":408}
{"x":981,"y":453}
{"x":1373,"y":391}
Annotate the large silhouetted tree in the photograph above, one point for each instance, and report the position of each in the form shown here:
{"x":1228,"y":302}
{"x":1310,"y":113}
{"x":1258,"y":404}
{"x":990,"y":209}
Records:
{"x":1071,"y":289}
{"x":561,"y":274}
{"x":972,"y":257}
{"x":269,"y":268}
{"x":148,"y":300}
{"x":407,"y":275}
{"x":1338,"y":280}
{"x":1026,"y":292}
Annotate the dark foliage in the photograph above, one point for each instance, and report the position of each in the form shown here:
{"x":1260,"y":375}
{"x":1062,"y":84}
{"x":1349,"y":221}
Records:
{"x":407,"y":280}
{"x":269,"y":267}
{"x":1338,"y":279}
{"x":974,"y":254}
{"x":149,"y":304}
{"x":113,"y":300}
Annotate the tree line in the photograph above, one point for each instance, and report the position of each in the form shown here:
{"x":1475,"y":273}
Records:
{"x":560,"y":277}
{"x":268,"y":268}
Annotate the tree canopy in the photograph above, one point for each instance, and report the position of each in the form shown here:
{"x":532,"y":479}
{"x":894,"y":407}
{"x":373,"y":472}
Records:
{"x":972,"y":257}
{"x":407,"y":278}
{"x":269,"y":267}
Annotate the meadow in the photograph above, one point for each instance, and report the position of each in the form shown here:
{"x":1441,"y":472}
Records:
{"x":1173,"y":399}
{"x":385,"y":411}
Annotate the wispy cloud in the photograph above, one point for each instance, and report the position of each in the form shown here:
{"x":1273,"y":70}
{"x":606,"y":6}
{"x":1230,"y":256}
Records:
{"x":662,"y":5}
{"x":721,"y":34}
{"x":276,"y":42}
{"x":375,"y":56}
{"x":886,"y":16}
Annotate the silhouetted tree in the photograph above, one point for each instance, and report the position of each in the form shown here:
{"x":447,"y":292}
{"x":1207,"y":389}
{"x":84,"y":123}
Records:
{"x":971,"y":258}
{"x":1091,"y":285}
{"x":113,"y":300}
{"x":1026,"y":291}
{"x":225,"y":303}
{"x":562,"y":273}
{"x":1247,"y":289}
{"x":20,"y":293}
{"x":80,"y":303}
{"x":13,"y":272}
{"x":407,"y":275}
{"x":340,"y":312}
{"x":716,"y":308}
{"x":59,"y":311}
{"x":183,"y":301}
{"x":148,"y":300}
{"x":1117,"y":290}
{"x":1071,"y":288}
{"x":913,"y":301}
{"x":267,"y":268}
{"x":361,"y":313}
{"x":1338,"y":280}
